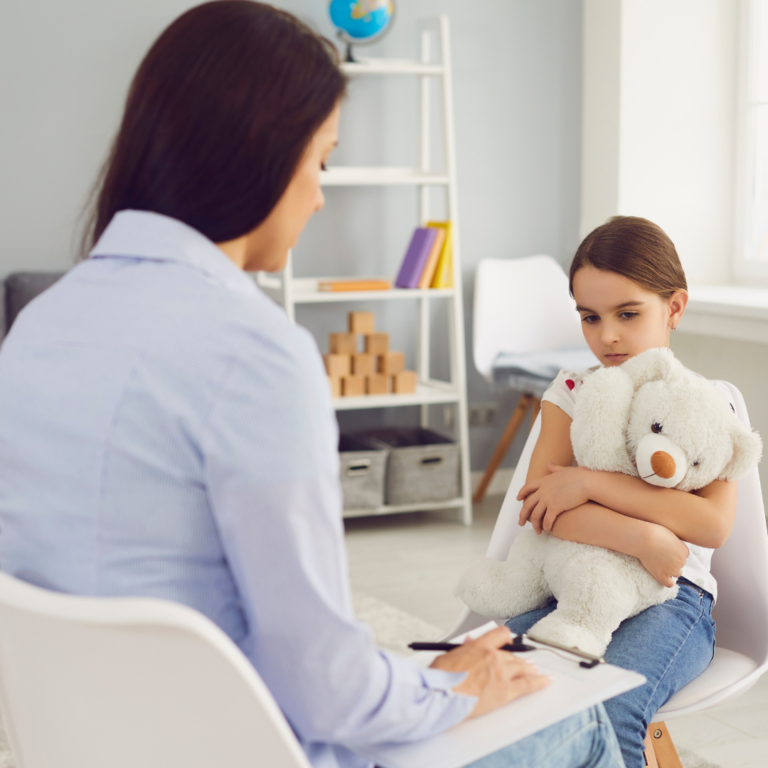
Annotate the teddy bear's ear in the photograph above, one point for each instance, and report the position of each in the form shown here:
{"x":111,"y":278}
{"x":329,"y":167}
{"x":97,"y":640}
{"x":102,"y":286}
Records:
{"x":747,"y":449}
{"x":652,"y":365}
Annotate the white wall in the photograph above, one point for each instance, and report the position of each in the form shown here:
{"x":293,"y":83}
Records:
{"x":65,"y":68}
{"x":661,"y":144}
{"x":744,"y":364}
{"x":658,"y":140}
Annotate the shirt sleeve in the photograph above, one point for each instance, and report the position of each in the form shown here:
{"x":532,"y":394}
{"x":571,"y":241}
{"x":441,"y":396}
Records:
{"x":562,"y":391}
{"x":273,"y":478}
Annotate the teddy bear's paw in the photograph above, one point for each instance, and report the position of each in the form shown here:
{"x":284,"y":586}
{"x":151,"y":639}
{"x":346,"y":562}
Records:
{"x":491,"y":589}
{"x":481,"y":588}
{"x":555,"y":629}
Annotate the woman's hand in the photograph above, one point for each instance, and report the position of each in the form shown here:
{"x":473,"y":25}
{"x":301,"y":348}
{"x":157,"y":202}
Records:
{"x":563,"y":489}
{"x":662,"y":554}
{"x":496,"y":677}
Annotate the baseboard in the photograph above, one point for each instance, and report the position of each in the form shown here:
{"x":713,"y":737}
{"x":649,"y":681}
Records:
{"x":499,"y":483}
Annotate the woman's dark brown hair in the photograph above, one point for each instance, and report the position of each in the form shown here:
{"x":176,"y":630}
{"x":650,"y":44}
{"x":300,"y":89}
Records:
{"x":218,"y":117}
{"x":636,"y":248}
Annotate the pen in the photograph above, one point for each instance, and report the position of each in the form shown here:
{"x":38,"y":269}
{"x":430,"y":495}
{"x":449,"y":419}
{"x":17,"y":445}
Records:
{"x":518,"y":646}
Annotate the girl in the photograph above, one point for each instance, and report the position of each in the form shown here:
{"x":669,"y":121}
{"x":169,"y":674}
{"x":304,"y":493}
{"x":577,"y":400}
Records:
{"x":631,"y":293}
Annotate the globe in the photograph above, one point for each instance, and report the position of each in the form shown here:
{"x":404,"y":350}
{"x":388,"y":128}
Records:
{"x":361,"y":21}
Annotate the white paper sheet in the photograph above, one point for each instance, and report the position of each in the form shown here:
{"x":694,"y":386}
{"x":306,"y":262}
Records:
{"x":572,"y":690}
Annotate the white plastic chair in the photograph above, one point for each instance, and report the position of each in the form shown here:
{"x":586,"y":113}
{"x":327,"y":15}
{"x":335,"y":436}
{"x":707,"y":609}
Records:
{"x":741,"y":612}
{"x":96,"y":682}
{"x":525,"y":330}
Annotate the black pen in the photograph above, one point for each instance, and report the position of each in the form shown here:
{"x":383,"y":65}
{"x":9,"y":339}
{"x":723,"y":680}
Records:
{"x":516,"y":646}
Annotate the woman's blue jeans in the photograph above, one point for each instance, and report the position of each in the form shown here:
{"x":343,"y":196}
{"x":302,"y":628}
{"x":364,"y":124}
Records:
{"x":671,"y":644}
{"x":585,"y":740}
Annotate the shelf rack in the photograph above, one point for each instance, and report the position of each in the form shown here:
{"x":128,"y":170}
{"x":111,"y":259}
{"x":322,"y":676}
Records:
{"x":290,"y":291}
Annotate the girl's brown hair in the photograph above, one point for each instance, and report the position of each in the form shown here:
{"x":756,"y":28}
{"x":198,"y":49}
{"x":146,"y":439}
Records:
{"x":218,"y":117}
{"x":635,"y":248}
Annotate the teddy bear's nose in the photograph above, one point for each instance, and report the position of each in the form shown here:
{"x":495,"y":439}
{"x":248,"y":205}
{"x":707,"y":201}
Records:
{"x":663,"y":464}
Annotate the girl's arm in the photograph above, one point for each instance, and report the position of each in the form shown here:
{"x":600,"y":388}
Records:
{"x":704,"y":517}
{"x":662,"y":554}
{"x":660,"y":551}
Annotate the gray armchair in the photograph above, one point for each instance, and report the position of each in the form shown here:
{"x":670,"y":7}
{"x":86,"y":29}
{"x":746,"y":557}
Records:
{"x":21,"y":288}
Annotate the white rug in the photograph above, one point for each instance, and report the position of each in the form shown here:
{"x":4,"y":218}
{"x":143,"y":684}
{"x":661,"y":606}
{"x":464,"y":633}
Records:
{"x":393,"y":628}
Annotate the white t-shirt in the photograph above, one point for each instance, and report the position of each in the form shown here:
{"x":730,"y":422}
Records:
{"x":563,"y":393}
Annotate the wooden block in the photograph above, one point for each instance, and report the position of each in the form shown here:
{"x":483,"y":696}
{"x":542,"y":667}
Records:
{"x":363,"y":365}
{"x":392,"y":362}
{"x":377,"y":384}
{"x":352,"y":386}
{"x":404,"y":382}
{"x":361,"y":322}
{"x":376,"y":343}
{"x":342,"y":343}
{"x":337,"y":366}
{"x":335,"y":382}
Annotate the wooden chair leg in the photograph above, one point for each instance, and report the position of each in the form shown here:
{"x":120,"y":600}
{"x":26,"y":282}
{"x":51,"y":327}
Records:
{"x":650,"y":755}
{"x":660,"y":752}
{"x":513,"y":425}
{"x":535,"y":408}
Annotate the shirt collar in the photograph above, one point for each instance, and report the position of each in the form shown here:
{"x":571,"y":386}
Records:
{"x":155,"y":237}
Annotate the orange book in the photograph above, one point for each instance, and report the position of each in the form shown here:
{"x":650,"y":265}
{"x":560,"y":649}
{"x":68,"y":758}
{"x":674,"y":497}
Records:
{"x":370,"y":284}
{"x":429,"y":268}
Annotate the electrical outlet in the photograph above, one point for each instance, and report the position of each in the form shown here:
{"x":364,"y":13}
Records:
{"x":448,"y":416}
{"x":482,"y":414}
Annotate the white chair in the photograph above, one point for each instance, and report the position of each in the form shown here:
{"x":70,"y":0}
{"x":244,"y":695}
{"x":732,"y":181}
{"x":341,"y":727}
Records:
{"x":741,"y":612}
{"x":119,"y":683}
{"x":525,"y":330}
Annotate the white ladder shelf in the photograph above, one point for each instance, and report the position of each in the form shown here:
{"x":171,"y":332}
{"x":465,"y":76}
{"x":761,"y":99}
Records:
{"x":290,"y":291}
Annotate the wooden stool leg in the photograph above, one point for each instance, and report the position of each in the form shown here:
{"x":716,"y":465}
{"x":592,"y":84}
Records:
{"x":535,"y":408}
{"x":518,"y":415}
{"x":659,"y":746}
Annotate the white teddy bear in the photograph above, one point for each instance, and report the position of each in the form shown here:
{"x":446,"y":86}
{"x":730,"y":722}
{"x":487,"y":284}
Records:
{"x":651,"y":418}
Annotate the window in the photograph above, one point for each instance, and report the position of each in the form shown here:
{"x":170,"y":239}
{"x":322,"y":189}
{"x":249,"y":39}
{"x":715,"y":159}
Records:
{"x":752,"y":149}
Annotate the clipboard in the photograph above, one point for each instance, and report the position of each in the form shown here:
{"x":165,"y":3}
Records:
{"x":573,"y":689}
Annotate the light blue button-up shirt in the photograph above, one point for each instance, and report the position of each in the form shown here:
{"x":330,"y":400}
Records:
{"x":166,"y":431}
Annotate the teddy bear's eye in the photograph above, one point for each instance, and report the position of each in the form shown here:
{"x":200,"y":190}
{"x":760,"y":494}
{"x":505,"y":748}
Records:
{"x":656,"y":428}
{"x":696,"y":463}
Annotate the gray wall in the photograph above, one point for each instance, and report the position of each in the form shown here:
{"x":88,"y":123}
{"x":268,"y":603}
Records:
{"x":65,"y":69}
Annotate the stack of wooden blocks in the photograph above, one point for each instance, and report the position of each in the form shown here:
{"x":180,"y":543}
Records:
{"x":375,"y":371}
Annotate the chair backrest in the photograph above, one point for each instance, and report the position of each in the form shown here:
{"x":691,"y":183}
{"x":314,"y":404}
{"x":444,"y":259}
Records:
{"x":521,"y":306}
{"x":741,"y":568}
{"x":93,"y":682}
{"x":740,"y":565}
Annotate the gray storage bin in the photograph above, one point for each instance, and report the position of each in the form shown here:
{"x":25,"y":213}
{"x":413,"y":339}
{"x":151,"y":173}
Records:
{"x":363,"y":468}
{"x":422,"y":466}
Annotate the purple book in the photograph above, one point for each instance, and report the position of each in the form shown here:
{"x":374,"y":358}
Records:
{"x":416,"y":257}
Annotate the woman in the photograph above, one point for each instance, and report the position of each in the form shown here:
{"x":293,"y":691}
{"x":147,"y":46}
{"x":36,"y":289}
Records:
{"x":165,"y":431}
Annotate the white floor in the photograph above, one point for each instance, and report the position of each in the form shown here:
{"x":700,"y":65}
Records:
{"x":412,"y":562}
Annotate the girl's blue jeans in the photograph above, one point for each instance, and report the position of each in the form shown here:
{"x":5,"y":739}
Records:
{"x":585,"y":740}
{"x":671,"y":644}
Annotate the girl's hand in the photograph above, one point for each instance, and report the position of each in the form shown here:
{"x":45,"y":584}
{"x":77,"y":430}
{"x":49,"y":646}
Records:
{"x":662,"y":554}
{"x":565,"y":488}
